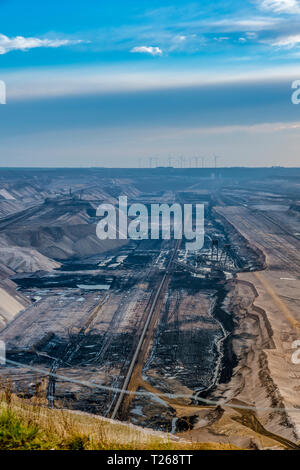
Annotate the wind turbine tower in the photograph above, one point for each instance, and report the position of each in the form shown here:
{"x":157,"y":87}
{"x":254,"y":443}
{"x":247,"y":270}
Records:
{"x":216,"y":158}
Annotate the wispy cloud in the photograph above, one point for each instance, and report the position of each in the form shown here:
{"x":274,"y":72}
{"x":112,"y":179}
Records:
{"x":147,"y":50}
{"x":280,"y":6}
{"x":242,"y":24}
{"x":288,"y":41}
{"x":20,"y":43}
{"x":221,"y":39}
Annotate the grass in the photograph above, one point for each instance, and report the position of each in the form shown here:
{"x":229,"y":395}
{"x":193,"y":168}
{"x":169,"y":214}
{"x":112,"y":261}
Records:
{"x":27,"y":425}
{"x":14,"y":434}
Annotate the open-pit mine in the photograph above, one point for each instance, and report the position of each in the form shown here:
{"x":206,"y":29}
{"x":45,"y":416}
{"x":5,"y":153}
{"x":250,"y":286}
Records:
{"x":195,"y":343}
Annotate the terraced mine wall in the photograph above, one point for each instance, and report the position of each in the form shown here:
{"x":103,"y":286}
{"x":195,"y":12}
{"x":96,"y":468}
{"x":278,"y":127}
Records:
{"x":247,"y":256}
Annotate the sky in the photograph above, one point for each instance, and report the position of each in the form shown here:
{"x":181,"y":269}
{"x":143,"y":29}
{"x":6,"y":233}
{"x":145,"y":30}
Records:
{"x":113,"y":84}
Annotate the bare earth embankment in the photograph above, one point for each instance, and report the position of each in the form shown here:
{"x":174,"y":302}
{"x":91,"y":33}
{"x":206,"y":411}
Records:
{"x":267,"y":306}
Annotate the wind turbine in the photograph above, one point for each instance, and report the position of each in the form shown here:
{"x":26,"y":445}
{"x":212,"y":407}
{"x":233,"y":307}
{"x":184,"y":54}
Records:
{"x":196,"y":159}
{"x":216,"y":158}
{"x":150,"y":162}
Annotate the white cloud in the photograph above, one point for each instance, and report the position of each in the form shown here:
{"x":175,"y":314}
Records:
{"x":147,"y":50}
{"x":185,"y":43}
{"x":221,"y":39}
{"x":243,"y":24}
{"x":252,"y":128}
{"x":288,"y":41}
{"x":180,"y":38}
{"x":20,"y":43}
{"x":280,"y":6}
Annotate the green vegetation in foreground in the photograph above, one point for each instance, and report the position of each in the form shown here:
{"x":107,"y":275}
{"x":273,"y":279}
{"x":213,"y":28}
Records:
{"x":16,"y":435}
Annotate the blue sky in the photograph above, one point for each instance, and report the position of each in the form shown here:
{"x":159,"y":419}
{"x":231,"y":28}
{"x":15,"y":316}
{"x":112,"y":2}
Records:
{"x":112,"y":83}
